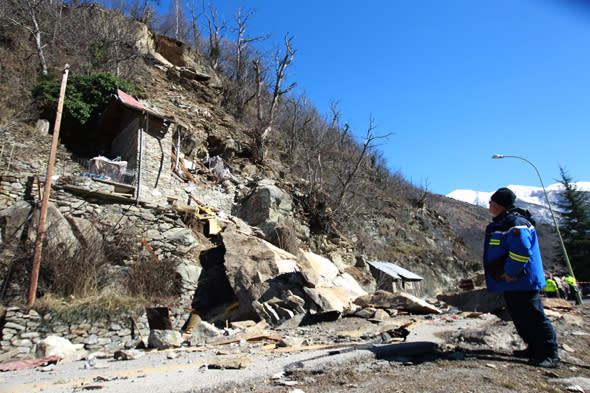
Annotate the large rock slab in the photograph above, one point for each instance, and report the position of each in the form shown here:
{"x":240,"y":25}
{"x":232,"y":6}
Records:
{"x":329,"y":289}
{"x":258,"y":271}
{"x":59,"y":346}
{"x":397,"y":300}
{"x":275,"y":285}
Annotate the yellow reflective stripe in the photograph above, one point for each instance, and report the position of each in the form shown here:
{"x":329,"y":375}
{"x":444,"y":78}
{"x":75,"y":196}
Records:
{"x":518,"y":258}
{"x":495,"y":242}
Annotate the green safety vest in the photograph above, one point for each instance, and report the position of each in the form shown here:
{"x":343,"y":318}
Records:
{"x":551,"y":286}
{"x":570,"y":280}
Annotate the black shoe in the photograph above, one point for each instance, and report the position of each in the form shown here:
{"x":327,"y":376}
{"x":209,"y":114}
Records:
{"x":523,"y":353}
{"x":548,"y":362}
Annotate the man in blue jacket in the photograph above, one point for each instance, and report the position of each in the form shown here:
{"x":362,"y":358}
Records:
{"x":513,"y":265}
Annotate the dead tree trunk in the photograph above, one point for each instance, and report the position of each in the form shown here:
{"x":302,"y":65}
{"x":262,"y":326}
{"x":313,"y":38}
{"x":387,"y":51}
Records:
{"x":368,"y":144}
{"x":281,"y":65}
{"x":26,"y":14}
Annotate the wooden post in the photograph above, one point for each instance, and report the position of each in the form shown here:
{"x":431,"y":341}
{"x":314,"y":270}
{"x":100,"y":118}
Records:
{"x":45,"y":202}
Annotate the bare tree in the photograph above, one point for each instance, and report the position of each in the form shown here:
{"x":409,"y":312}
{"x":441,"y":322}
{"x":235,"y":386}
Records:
{"x":26,"y":14}
{"x":336,"y":113}
{"x":259,"y":84}
{"x":216,"y":29}
{"x":350,"y":175}
{"x":174,"y":23}
{"x":194,"y":22}
{"x":148,"y":11}
{"x":300,"y":119}
{"x":142,"y":10}
{"x":281,"y":63}
{"x":177,"y":7}
{"x":242,"y":41}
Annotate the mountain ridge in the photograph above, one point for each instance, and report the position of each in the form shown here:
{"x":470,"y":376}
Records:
{"x":531,"y":198}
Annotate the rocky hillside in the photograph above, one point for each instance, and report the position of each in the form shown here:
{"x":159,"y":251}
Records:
{"x":268,"y":234}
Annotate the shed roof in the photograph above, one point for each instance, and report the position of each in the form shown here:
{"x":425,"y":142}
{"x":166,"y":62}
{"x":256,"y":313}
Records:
{"x":132,"y":103}
{"x":395,"y":271}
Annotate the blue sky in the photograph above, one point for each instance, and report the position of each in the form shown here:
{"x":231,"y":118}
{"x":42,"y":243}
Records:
{"x":454,"y":81}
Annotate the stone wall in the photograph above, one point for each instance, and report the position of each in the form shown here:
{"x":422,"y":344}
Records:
{"x":25,"y":152}
{"x":156,"y":162}
{"x":23,"y":329}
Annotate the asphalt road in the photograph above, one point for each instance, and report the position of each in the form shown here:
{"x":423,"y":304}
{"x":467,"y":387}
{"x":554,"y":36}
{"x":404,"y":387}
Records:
{"x":190,"y":370}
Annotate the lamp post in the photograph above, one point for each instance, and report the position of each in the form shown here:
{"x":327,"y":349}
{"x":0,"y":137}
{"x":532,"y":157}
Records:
{"x":567,"y":259}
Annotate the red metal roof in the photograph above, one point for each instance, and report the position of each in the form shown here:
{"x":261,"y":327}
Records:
{"x":133,"y":103}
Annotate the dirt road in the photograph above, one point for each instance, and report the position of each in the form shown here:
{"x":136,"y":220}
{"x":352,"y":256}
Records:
{"x":446,"y":353}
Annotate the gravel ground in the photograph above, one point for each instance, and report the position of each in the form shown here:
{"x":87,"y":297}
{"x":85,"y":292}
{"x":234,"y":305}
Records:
{"x":445,"y":353}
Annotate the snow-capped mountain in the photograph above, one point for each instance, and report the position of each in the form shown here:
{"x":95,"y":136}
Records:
{"x":527,"y":197}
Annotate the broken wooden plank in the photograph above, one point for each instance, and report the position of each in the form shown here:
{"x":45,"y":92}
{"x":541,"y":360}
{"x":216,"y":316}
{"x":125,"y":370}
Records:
{"x":123,"y":194}
{"x":316,"y":347}
{"x":86,"y":193}
{"x":208,"y":209}
{"x":214,"y":228}
{"x":183,"y":168}
{"x":150,"y":250}
{"x":223,"y":340}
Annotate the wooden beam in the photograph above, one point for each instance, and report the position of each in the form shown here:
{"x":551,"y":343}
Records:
{"x":150,"y":250}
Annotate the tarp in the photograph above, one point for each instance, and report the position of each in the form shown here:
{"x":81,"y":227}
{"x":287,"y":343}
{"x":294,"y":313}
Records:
{"x":102,"y":166}
{"x":29,"y":363}
{"x":395,"y":271}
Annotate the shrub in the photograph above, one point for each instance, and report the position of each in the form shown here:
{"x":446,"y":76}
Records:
{"x":86,"y":96}
{"x":152,"y":279}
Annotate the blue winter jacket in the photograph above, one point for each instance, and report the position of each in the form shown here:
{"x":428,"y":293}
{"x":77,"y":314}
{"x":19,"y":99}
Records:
{"x":511,"y":246}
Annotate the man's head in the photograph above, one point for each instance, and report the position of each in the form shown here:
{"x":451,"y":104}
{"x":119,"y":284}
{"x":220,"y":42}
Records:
{"x":502,"y":199}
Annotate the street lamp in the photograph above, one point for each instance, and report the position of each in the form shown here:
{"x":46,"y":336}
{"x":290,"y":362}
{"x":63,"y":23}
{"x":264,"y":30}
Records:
{"x":567,"y":259}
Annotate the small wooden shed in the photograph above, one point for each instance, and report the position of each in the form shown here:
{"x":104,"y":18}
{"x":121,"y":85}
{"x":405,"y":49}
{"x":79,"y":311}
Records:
{"x":138,"y":135}
{"x":393,"y":278}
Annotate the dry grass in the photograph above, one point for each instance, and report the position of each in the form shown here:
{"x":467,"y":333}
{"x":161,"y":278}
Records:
{"x":152,"y":279}
{"x":101,"y":305}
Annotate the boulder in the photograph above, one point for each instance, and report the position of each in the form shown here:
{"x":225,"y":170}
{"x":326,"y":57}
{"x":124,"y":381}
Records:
{"x":59,"y":346}
{"x":204,"y":331}
{"x":265,"y":207}
{"x":317,"y":270}
{"x":189,"y":275}
{"x":12,"y":220}
{"x":258,"y":271}
{"x":330,"y":290}
{"x":164,"y":339}
{"x":275,"y":285}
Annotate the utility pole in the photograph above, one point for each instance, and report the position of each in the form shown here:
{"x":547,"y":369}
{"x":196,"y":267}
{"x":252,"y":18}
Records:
{"x":45,"y":202}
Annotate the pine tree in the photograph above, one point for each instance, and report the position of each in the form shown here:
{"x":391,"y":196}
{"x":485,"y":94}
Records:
{"x":575,"y":226}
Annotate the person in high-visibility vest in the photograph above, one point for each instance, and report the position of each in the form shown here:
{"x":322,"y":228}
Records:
{"x":571,"y":281}
{"x":551,"y":288}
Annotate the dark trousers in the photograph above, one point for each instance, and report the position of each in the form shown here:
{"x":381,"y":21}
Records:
{"x":531,"y":323}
